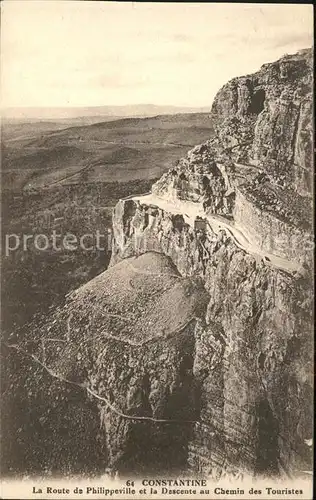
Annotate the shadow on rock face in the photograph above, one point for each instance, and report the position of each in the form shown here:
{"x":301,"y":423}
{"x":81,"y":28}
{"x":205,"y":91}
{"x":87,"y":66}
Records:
{"x":268,"y":454}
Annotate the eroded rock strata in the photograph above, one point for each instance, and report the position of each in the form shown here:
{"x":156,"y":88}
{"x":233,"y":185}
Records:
{"x":194,"y":349}
{"x":252,"y":360}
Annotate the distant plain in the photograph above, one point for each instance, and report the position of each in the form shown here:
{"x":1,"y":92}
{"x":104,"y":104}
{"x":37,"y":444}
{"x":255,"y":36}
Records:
{"x":67,"y":175}
{"x":38,"y":154}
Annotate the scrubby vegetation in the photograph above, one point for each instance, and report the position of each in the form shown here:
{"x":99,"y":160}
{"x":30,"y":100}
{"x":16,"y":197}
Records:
{"x":35,"y":279}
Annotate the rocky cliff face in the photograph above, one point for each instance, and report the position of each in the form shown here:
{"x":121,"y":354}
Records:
{"x":123,"y":346}
{"x":194,"y":349}
{"x":265,"y":119}
{"x":252,"y":360}
{"x":260,"y":156}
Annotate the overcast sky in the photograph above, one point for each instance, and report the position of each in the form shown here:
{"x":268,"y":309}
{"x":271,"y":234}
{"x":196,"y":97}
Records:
{"x":69,"y":53}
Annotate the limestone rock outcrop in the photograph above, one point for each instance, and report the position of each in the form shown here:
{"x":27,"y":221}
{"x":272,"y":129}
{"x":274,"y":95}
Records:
{"x":194,"y":348}
{"x":266,"y":119}
{"x":258,"y":166}
{"x":123,"y":346}
{"x":252,"y":363}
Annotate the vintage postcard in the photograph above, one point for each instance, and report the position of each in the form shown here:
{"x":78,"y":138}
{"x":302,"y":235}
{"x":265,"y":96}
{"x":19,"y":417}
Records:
{"x":157,"y":250}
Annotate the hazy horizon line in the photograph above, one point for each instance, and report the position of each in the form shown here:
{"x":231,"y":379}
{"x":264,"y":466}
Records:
{"x":119,"y":111}
{"x":107,"y":106}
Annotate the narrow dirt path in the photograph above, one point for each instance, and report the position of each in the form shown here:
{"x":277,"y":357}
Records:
{"x":95,"y":395}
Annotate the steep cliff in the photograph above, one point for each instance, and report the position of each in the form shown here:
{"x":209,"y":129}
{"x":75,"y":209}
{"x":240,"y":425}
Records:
{"x":265,"y":119}
{"x":237,"y":212}
{"x":119,"y":352}
{"x":260,"y":156}
{"x":194,"y":349}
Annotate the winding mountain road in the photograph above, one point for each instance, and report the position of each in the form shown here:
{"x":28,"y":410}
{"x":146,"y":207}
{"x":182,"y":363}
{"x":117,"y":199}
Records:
{"x":190,"y":211}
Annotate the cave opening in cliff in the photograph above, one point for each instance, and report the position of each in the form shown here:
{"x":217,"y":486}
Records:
{"x":178,"y":222}
{"x":257,"y":102}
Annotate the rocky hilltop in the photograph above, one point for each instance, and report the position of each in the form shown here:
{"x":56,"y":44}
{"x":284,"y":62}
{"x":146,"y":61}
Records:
{"x":193,"y":351}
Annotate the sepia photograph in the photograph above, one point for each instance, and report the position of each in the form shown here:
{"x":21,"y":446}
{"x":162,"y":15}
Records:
{"x":157,"y":250}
